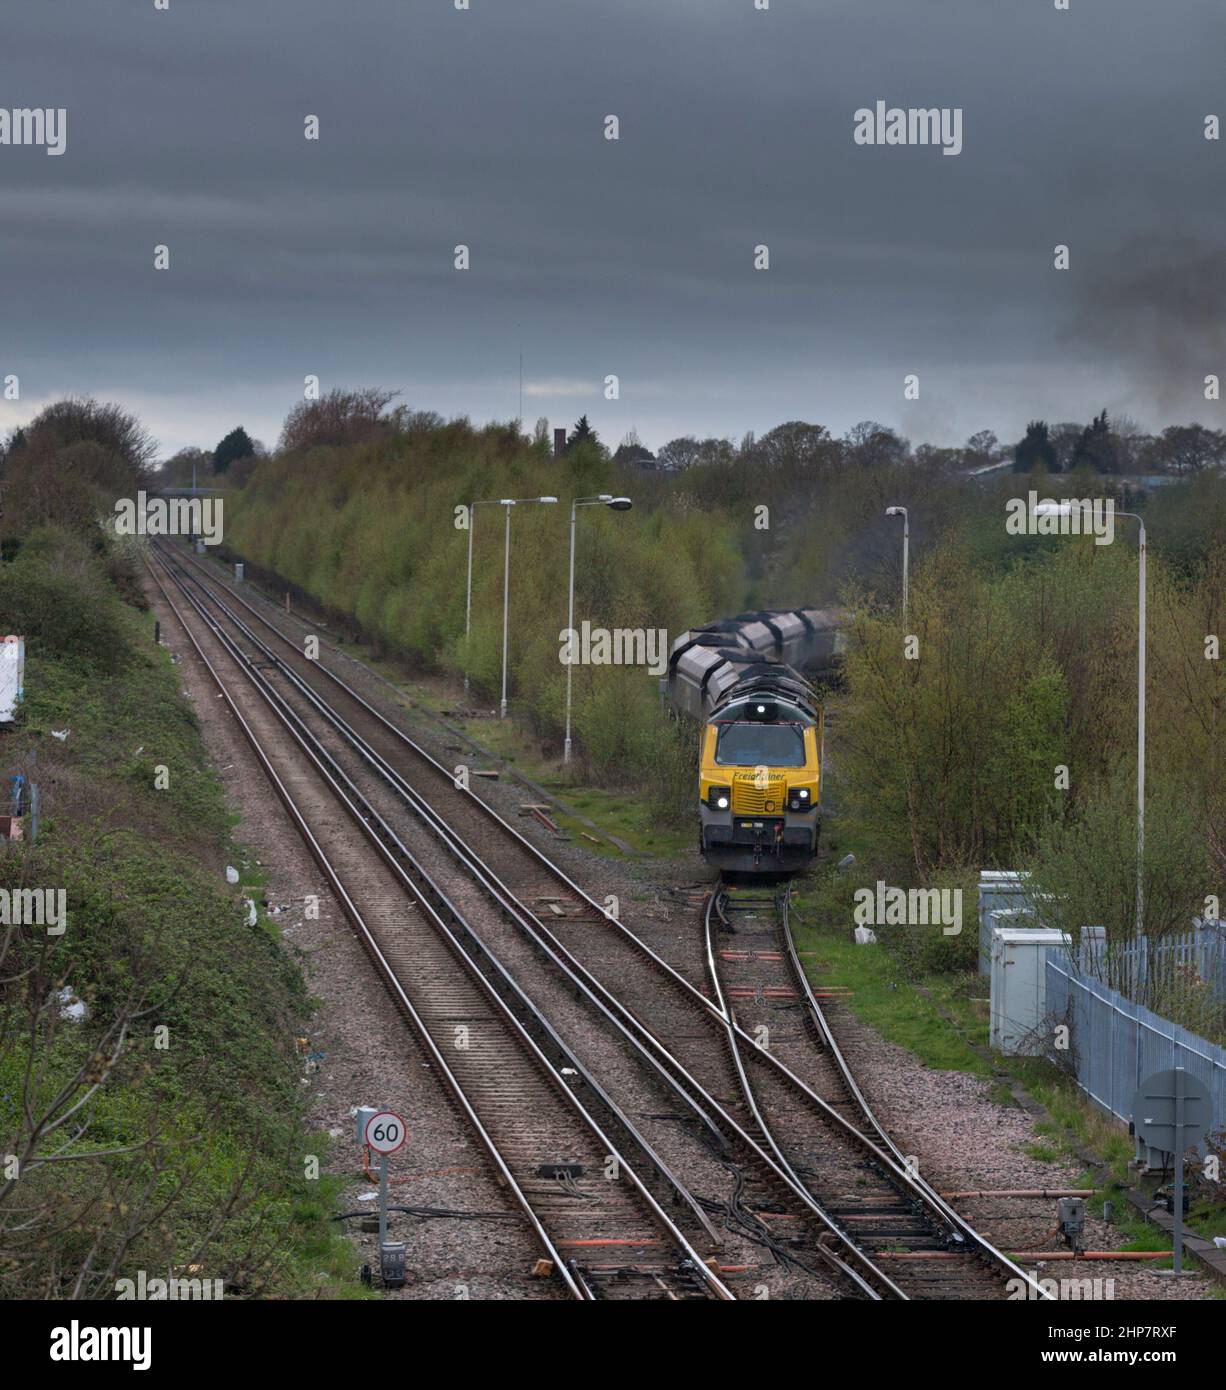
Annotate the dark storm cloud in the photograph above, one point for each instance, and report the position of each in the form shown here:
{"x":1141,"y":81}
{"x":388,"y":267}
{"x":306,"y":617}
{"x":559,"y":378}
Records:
{"x":1160,"y":303}
{"x":635,"y":258}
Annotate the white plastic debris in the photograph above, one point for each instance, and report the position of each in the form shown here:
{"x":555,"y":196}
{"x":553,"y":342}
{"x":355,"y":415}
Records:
{"x":231,"y":874}
{"x":61,"y":734}
{"x":71,"y":1007}
{"x":1220,"y":1242}
{"x":866,"y":936}
{"x":367,"y":1196}
{"x":252,"y":914}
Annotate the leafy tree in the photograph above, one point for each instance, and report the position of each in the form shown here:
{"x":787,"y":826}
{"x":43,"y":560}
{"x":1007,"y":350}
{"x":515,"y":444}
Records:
{"x":794,"y":442}
{"x":76,"y":457}
{"x":76,"y":421}
{"x":236,"y":445}
{"x":1064,"y":439}
{"x":678,"y":454}
{"x":981,"y":449}
{"x":1096,"y":447}
{"x":870,"y":445}
{"x":583,"y":433}
{"x":688,"y":452}
{"x":947,"y":760}
{"x":1034,"y":450}
{"x":1191,"y":448}
{"x":180,"y":468}
{"x":1133,"y":444}
{"x":340,"y":417}
{"x":632,"y":451}
{"x":1085,"y":873}
{"x":940,"y":459}
{"x":14,"y":444}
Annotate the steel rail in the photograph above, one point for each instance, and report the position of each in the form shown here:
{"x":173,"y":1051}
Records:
{"x":577,"y":1286}
{"x":524,"y":918}
{"x":886,"y":1154}
{"x":747,"y":1090}
{"x":826,"y":1035}
{"x":593,"y":989}
{"x":601,"y":995}
{"x":877,"y":1143}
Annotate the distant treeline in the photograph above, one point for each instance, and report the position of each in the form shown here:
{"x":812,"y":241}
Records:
{"x":1026,"y":660}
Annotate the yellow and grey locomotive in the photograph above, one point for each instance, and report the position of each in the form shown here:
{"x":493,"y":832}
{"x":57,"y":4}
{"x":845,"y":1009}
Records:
{"x":761,"y":750}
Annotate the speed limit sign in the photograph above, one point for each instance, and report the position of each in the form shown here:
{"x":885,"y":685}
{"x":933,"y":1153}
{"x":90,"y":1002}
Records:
{"x":385,"y":1132}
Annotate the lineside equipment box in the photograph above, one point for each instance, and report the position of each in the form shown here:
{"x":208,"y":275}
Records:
{"x":1019,"y":988}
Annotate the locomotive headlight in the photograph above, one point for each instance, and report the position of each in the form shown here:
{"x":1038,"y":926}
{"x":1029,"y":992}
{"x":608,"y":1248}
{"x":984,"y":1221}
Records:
{"x":718,"y":798}
{"x":767,"y":711}
{"x":800,"y":799}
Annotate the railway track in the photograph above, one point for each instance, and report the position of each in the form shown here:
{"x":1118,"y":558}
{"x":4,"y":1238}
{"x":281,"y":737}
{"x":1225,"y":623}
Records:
{"x":750,"y":1191}
{"x":493,"y":1050}
{"x":809,"y":1211}
{"x":857,"y":1172}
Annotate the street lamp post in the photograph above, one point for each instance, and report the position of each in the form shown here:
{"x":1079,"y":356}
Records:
{"x":617,"y":504}
{"x":506,"y":606}
{"x":508,"y":503}
{"x":1140,"y":721}
{"x":468,"y":595}
{"x":1065,"y":509}
{"x":906,"y":545}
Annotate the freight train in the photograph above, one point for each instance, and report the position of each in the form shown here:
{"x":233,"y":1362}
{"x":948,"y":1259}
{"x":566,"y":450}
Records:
{"x":762,"y":742}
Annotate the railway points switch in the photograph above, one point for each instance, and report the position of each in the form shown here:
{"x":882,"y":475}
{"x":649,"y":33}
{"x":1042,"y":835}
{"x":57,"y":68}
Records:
{"x":560,"y":1170}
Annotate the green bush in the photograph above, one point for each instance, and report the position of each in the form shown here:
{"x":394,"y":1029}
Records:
{"x":190,"y":1147}
{"x":56,"y":593}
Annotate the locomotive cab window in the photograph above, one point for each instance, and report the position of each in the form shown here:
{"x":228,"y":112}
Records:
{"x":750,"y":745}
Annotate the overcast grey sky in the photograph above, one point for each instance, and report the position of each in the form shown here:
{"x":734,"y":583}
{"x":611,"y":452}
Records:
{"x":634,"y":257}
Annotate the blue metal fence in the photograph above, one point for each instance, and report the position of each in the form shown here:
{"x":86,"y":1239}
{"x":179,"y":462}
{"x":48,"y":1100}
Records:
{"x":1200,"y":956}
{"x":1117,"y":1043}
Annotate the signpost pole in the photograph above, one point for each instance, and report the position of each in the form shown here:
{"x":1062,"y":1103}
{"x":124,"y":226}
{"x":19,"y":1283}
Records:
{"x":383,"y":1132}
{"x":1172,"y":1111}
{"x":384,"y":1201}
